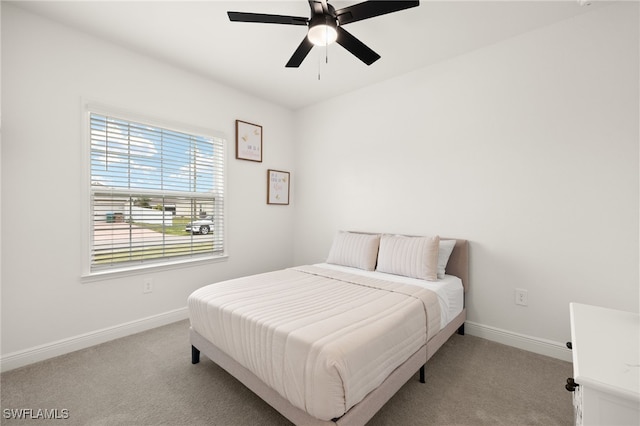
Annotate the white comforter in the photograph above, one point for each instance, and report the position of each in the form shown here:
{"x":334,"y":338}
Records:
{"x":321,"y":338}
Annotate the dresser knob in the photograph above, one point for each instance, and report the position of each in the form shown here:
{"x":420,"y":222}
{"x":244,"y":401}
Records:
{"x":569,"y":345}
{"x":571,"y":385}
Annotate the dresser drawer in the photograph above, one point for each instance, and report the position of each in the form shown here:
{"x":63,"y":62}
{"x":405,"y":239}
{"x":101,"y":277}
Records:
{"x":606,"y":366}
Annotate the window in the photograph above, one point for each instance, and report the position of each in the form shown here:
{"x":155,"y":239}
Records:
{"x":157,"y":195}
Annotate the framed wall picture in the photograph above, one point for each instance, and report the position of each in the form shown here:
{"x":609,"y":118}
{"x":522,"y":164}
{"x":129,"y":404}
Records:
{"x":278,"y":184}
{"x":248,"y":141}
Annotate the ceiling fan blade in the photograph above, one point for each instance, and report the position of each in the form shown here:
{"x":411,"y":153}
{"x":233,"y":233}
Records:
{"x":370,"y":9}
{"x":301,"y":52}
{"x":265,"y":18}
{"x":356,"y":47}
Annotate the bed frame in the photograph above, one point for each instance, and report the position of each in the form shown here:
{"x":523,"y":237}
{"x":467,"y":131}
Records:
{"x":362,"y":412}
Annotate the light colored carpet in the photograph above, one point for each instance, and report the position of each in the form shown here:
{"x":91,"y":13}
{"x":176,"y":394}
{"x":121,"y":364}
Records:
{"x":148,"y":379}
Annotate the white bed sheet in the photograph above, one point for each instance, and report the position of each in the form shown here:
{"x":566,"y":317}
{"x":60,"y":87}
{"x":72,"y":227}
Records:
{"x":449,"y":289}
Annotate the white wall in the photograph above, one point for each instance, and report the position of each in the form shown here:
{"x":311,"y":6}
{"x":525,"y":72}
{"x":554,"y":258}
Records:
{"x":46,"y":70}
{"x":528,"y":148}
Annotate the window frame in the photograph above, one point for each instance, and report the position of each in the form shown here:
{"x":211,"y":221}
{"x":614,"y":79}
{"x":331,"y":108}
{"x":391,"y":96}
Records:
{"x":88,"y":274}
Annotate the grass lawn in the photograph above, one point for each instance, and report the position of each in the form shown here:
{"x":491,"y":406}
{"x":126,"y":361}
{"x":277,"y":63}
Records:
{"x":177,"y":228}
{"x":127,"y":254}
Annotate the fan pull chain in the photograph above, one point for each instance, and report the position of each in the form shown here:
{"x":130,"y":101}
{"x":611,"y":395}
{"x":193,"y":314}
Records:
{"x":326,"y":59}
{"x":326,"y":51}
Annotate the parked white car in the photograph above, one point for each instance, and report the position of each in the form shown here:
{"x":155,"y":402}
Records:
{"x":202,"y":226}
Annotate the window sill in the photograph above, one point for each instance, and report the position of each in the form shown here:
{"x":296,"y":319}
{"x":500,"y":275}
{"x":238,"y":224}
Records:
{"x":109,"y":274}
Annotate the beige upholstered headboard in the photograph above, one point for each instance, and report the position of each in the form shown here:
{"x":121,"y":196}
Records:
{"x":458,"y":264}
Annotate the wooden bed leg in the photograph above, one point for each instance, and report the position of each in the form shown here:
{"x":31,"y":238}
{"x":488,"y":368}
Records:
{"x":461,"y":330}
{"x":422,"y":374}
{"x":195,"y":355}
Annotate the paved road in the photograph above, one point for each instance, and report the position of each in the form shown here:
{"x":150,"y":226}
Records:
{"x":121,"y":234}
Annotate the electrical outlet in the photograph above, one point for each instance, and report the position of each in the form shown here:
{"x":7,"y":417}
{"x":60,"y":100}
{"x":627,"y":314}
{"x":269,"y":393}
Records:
{"x":522,"y":297}
{"x":147,"y":285}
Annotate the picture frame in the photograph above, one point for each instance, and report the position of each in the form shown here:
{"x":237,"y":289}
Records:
{"x":248,"y":141}
{"x":278,"y":187}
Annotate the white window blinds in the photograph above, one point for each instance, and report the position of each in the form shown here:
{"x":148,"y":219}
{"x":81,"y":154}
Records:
{"x":157,"y":195}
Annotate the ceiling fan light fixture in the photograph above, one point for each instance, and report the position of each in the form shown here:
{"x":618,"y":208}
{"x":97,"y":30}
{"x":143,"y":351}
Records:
{"x":322,"y":33}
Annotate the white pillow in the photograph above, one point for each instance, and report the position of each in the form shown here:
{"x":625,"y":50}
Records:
{"x":444,"y":252}
{"x":415,"y":257}
{"x":355,"y":250}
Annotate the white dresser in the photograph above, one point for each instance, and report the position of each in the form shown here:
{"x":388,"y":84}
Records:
{"x":606,"y":365}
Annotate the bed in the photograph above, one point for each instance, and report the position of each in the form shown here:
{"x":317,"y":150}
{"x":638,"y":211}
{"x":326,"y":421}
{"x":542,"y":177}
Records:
{"x":331,"y":343}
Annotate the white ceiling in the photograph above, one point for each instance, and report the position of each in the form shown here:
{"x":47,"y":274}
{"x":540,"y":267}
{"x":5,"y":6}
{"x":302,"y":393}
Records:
{"x":199,"y":37}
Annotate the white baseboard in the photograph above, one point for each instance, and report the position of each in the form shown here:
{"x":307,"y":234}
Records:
{"x":39,"y":353}
{"x":528,"y":343}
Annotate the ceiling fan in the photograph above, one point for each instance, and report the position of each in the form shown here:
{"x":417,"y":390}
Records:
{"x":325,"y":25}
